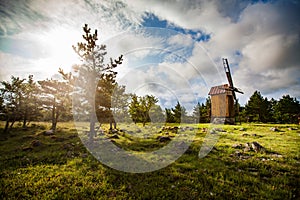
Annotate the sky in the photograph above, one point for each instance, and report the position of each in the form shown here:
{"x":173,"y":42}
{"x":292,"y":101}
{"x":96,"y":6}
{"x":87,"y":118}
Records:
{"x":172,"y":49}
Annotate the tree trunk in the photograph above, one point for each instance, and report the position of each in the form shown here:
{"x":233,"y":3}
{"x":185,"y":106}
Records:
{"x":6,"y":126}
{"x":115,"y":124}
{"x":53,"y":126}
{"x":25,"y":118}
{"x":92,"y":131}
{"x":12,"y":123}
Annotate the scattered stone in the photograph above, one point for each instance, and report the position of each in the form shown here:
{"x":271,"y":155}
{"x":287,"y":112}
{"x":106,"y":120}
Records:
{"x":58,"y":139}
{"x":36,"y":143}
{"x":191,"y":128}
{"x":237,"y":146}
{"x":67,"y":146}
{"x":139,"y":131}
{"x":242,"y":129}
{"x":115,"y":136}
{"x":247,"y":147}
{"x":27,"y":149}
{"x":48,"y":133}
{"x":219,"y":129}
{"x":163,"y":138}
{"x":113,"y":131}
{"x":276,"y":155}
{"x":245,"y":135}
{"x":84,"y":155}
{"x":237,"y":153}
{"x":274,"y":129}
{"x":72,"y":136}
{"x":257,"y":147}
{"x":146,"y":136}
{"x":170,"y":128}
{"x":28,"y":137}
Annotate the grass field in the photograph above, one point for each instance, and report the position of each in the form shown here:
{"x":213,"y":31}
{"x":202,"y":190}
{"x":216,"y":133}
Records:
{"x":38,"y":166}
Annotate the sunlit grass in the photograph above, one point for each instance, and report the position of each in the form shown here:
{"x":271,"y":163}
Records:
{"x":62,"y":168}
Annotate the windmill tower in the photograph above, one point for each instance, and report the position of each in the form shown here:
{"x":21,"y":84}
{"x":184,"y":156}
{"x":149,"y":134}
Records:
{"x":223,"y":99}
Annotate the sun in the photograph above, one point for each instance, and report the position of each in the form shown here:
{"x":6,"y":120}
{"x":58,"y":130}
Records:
{"x":60,"y":54}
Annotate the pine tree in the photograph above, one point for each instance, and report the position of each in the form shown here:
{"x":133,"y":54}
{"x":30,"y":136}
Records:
{"x":89,"y":72}
{"x":55,"y":96}
{"x":179,"y":113}
{"x":287,"y":110}
{"x":197,"y":112}
{"x":12,"y":95}
{"x":256,"y":107}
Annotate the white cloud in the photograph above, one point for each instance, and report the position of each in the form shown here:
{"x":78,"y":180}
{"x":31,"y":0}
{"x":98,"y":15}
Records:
{"x":261,"y":40}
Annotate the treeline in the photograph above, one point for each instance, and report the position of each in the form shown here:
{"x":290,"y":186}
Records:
{"x":260,"y":109}
{"x":26,"y":100}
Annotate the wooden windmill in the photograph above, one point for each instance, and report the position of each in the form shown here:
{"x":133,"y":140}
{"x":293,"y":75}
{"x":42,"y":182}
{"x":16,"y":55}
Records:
{"x":223,"y":99}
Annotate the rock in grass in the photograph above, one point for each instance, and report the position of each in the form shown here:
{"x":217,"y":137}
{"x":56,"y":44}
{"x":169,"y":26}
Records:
{"x":48,"y":133}
{"x":113,"y":131}
{"x":242,"y":129}
{"x":36,"y":143}
{"x":212,"y":131}
{"x":27,"y":149}
{"x":115,"y":136}
{"x":274,"y":129}
{"x":245,"y":135}
{"x":257,"y":147}
{"x":163,"y":138}
{"x":237,"y":146}
{"x":247,"y":147}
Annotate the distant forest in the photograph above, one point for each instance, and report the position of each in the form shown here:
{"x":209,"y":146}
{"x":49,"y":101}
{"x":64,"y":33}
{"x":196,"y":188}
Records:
{"x":26,"y":100}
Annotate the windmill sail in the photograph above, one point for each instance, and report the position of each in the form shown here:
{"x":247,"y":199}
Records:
{"x":229,"y":78}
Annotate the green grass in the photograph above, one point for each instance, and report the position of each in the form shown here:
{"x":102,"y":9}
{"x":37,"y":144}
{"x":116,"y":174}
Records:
{"x":62,"y":168}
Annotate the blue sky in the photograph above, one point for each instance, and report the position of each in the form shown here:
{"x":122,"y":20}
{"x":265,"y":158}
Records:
{"x":177,"y":44}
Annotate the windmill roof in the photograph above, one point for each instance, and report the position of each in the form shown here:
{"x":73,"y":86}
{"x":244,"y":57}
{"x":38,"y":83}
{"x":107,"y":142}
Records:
{"x":220,"y":89}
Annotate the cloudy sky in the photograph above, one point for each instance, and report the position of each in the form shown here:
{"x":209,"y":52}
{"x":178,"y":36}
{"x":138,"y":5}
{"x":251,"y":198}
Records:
{"x":172,"y":49}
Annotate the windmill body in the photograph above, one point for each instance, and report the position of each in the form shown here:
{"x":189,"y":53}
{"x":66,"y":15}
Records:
{"x":223,"y":100}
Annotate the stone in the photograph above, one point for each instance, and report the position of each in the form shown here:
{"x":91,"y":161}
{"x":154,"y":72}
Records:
{"x":113,"y":131}
{"x":191,"y":128}
{"x":36,"y":143}
{"x":242,"y":129}
{"x":257,"y":147}
{"x":84,"y":155}
{"x":115,"y":136}
{"x":27,"y":149}
{"x":245,"y":135}
{"x":139,"y":131}
{"x":237,"y":146}
{"x":247,"y":147}
{"x":163,"y":138}
{"x":276,"y":155}
{"x":146,"y":136}
{"x":274,"y":129}
{"x":219,"y":130}
{"x":48,"y":133}
{"x":237,"y":153}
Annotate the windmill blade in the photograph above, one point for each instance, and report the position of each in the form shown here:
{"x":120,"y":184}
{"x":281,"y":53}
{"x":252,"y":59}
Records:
{"x":228,"y":74}
{"x":238,"y":90}
{"x":234,"y":96}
